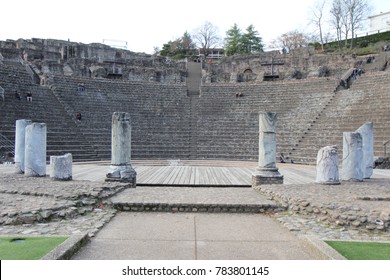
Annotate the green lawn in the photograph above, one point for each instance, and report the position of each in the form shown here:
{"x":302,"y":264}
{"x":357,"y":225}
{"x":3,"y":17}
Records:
{"x":27,"y":248}
{"x":362,"y":250}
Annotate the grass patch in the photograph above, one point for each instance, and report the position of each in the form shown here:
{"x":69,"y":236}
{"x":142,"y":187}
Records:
{"x":27,"y":248}
{"x":362,"y":250}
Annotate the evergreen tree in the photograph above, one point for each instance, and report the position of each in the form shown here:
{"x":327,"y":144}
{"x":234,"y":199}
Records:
{"x":251,"y":42}
{"x":238,"y":43}
{"x":179,"y":48}
{"x":233,"y":40}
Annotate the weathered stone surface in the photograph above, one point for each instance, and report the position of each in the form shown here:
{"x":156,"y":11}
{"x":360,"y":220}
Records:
{"x":367,"y":132}
{"x":121,"y":168}
{"x":352,"y":157}
{"x":267,"y":140}
{"x":35,"y":150}
{"x":266,"y":172}
{"x":61,"y":167}
{"x":328,"y":166}
{"x":20,"y":134}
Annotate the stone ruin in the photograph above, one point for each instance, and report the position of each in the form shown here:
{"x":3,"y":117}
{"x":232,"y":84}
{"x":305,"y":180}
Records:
{"x":121,"y":169}
{"x":49,"y":57}
{"x":328,"y":166}
{"x":357,"y":161}
{"x":267,"y":172}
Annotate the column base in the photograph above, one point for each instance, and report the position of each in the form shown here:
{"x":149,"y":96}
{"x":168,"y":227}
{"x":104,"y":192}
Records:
{"x":328,"y":183}
{"x":266,"y":176}
{"x":122,"y":173}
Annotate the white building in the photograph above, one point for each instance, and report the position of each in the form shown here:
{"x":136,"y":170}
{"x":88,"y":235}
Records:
{"x":379,"y":23}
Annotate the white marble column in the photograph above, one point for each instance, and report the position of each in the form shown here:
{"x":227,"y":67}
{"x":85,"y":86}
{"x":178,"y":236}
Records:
{"x":20,"y":134}
{"x":121,"y":168}
{"x":35,"y":152}
{"x":367,"y":132}
{"x":61,"y":167}
{"x":352,"y":167}
{"x":328,"y":166}
{"x":267,"y":172}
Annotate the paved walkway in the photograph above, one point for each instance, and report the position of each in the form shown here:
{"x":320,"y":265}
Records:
{"x":200,"y":236}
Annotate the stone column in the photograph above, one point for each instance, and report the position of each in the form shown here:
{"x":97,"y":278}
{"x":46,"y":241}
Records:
{"x":267,"y":172}
{"x":35,"y":155}
{"x":328,"y":166}
{"x":367,"y":132}
{"x":352,"y":157}
{"x":61,"y":167}
{"x":20,"y":134}
{"x":121,"y":169}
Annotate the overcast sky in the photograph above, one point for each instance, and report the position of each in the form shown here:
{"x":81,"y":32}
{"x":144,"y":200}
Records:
{"x":147,"y":24}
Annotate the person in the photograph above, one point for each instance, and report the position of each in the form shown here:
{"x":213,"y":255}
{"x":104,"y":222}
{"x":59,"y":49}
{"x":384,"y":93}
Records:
{"x":17,"y":95}
{"x":78,"y":116}
{"x":81,"y":87}
{"x":29,"y":96}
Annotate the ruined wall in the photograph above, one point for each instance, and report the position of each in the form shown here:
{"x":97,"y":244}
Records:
{"x":50,"y":57}
{"x":298,"y":64}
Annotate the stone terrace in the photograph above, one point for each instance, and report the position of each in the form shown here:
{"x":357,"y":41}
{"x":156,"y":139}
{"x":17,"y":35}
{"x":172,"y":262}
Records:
{"x":366,"y":100}
{"x":226,"y":126}
{"x":159,"y":114}
{"x":220,"y":123}
{"x":62,"y":133}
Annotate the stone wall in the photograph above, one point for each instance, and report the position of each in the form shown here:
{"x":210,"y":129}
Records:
{"x":51,"y":57}
{"x":298,"y":64}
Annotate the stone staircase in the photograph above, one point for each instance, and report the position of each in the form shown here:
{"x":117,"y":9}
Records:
{"x":366,"y":100}
{"x":63,"y":135}
{"x":228,"y":115}
{"x":220,"y":123}
{"x":194,"y":70}
{"x":159,"y":114}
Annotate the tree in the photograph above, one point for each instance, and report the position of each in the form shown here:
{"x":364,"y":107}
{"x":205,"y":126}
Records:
{"x":251,"y":41}
{"x":206,"y":36}
{"x":232,"y":40}
{"x":179,"y":48}
{"x":336,"y":18}
{"x":357,"y":12}
{"x":348,"y":16}
{"x":238,"y":43}
{"x":291,"y":40}
{"x":317,"y":18}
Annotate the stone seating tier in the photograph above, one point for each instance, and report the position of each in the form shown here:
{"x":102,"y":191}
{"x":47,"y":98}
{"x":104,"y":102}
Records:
{"x":365,"y":101}
{"x":221,"y":123}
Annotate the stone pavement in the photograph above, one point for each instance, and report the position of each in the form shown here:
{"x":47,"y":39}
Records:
{"x":195,"y":236}
{"x":350,"y":211}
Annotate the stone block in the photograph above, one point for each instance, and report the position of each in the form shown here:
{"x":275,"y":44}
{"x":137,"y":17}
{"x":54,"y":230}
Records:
{"x":328,"y":166}
{"x":61,"y":167}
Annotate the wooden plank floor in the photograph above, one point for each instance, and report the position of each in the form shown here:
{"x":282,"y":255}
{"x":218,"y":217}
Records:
{"x":200,"y":173}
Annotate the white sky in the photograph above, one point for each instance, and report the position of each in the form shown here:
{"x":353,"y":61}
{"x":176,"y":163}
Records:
{"x":151,"y":23}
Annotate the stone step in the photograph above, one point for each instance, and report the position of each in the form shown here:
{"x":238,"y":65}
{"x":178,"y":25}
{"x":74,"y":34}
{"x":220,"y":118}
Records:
{"x":194,"y":199}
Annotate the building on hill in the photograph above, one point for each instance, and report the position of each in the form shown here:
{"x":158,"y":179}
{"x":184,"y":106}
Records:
{"x":380,"y":22}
